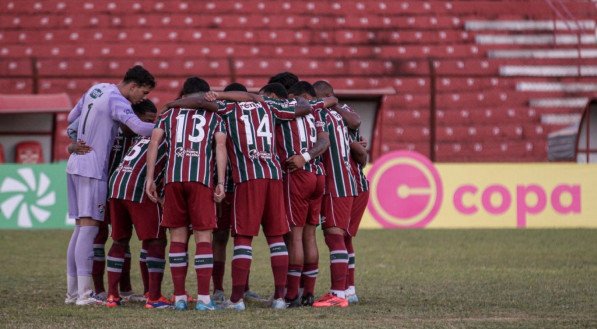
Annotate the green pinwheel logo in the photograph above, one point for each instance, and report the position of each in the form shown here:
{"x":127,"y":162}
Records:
{"x":27,"y":197}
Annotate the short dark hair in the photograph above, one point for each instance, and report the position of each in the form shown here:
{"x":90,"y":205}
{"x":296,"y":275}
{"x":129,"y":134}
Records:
{"x":323,"y":88}
{"x":145,"y":106}
{"x":275,"y":88}
{"x":235,"y":86}
{"x":194,"y":85}
{"x":287,"y":79}
{"x":139,"y":75}
{"x":302,"y":87}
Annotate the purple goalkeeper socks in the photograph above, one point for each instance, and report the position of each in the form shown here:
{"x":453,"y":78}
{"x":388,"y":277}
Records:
{"x":84,"y":250}
{"x":71,"y":266}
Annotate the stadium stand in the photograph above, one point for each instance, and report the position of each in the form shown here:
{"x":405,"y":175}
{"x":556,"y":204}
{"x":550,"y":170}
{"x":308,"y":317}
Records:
{"x":506,"y":73}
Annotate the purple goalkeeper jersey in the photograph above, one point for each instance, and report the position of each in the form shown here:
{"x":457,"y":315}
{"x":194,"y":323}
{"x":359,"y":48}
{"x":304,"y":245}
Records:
{"x":100,"y":110}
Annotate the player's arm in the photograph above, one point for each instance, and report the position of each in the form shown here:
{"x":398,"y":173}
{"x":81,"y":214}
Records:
{"x":302,"y":107}
{"x":221,"y":161}
{"x":123,"y":113}
{"x":359,"y":153}
{"x":297,"y":161}
{"x":233,"y":96}
{"x":329,"y":101}
{"x":193,"y":102}
{"x":352,"y":119}
{"x":152,"y":154}
{"x":75,"y":113}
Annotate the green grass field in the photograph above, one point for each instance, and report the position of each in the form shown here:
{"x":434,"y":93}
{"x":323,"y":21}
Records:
{"x":405,"y":279}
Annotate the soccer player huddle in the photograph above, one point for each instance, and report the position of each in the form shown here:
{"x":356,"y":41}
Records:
{"x":214,"y":165}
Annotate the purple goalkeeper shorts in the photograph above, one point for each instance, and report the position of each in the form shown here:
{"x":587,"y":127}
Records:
{"x":86,"y":197}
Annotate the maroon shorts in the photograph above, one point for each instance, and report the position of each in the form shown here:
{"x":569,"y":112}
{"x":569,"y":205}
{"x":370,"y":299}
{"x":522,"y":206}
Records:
{"x":359,"y":204}
{"x":336,"y":211}
{"x":189,"y":203}
{"x":259,"y":201}
{"x":301,"y":189}
{"x":144,"y":216}
{"x":225,"y":212}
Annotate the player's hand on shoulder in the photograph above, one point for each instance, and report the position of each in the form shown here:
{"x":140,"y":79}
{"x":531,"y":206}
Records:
{"x":211,"y":96}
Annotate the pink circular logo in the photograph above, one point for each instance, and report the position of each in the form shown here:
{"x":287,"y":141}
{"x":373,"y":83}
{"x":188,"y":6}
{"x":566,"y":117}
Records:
{"x":406,"y":190}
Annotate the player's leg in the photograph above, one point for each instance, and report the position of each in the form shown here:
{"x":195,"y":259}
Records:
{"x":337,"y":217}
{"x":121,"y":234}
{"x":202,"y":213}
{"x":143,"y":267}
{"x":295,"y":265}
{"x":247,"y":209}
{"x":311,"y":252}
{"x":220,"y":241}
{"x":146,"y":220}
{"x":176,"y":220}
{"x":311,"y":265}
{"x":275,"y":226}
{"x":84,"y":259}
{"x":71,"y":266}
{"x":91,"y":199}
{"x":156,"y":262}
{"x":204,"y":260}
{"x":71,"y":269}
{"x":99,"y":261}
{"x":358,"y":208}
{"x":178,"y":265}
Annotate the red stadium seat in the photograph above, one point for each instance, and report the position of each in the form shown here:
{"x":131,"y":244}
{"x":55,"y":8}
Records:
{"x":1,"y":154}
{"x":29,"y":152}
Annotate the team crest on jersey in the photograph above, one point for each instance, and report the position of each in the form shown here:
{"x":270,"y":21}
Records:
{"x":336,"y":115}
{"x":254,"y":154}
{"x":95,"y":93}
{"x":182,"y":152}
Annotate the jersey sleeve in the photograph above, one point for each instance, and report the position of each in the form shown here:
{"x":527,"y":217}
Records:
{"x":72,"y":129}
{"x":161,"y":124}
{"x":282,"y":109}
{"x":75,"y":113}
{"x":316,"y":104}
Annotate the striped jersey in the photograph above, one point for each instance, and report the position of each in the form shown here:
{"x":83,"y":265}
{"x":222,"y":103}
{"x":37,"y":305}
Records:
{"x":252,"y":140}
{"x":190,"y":144}
{"x":127,"y":182}
{"x":297,"y":137}
{"x":357,"y":170}
{"x":119,"y":148}
{"x":340,"y":182}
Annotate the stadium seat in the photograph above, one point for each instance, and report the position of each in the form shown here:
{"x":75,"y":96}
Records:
{"x":1,"y":154}
{"x":29,"y":152}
